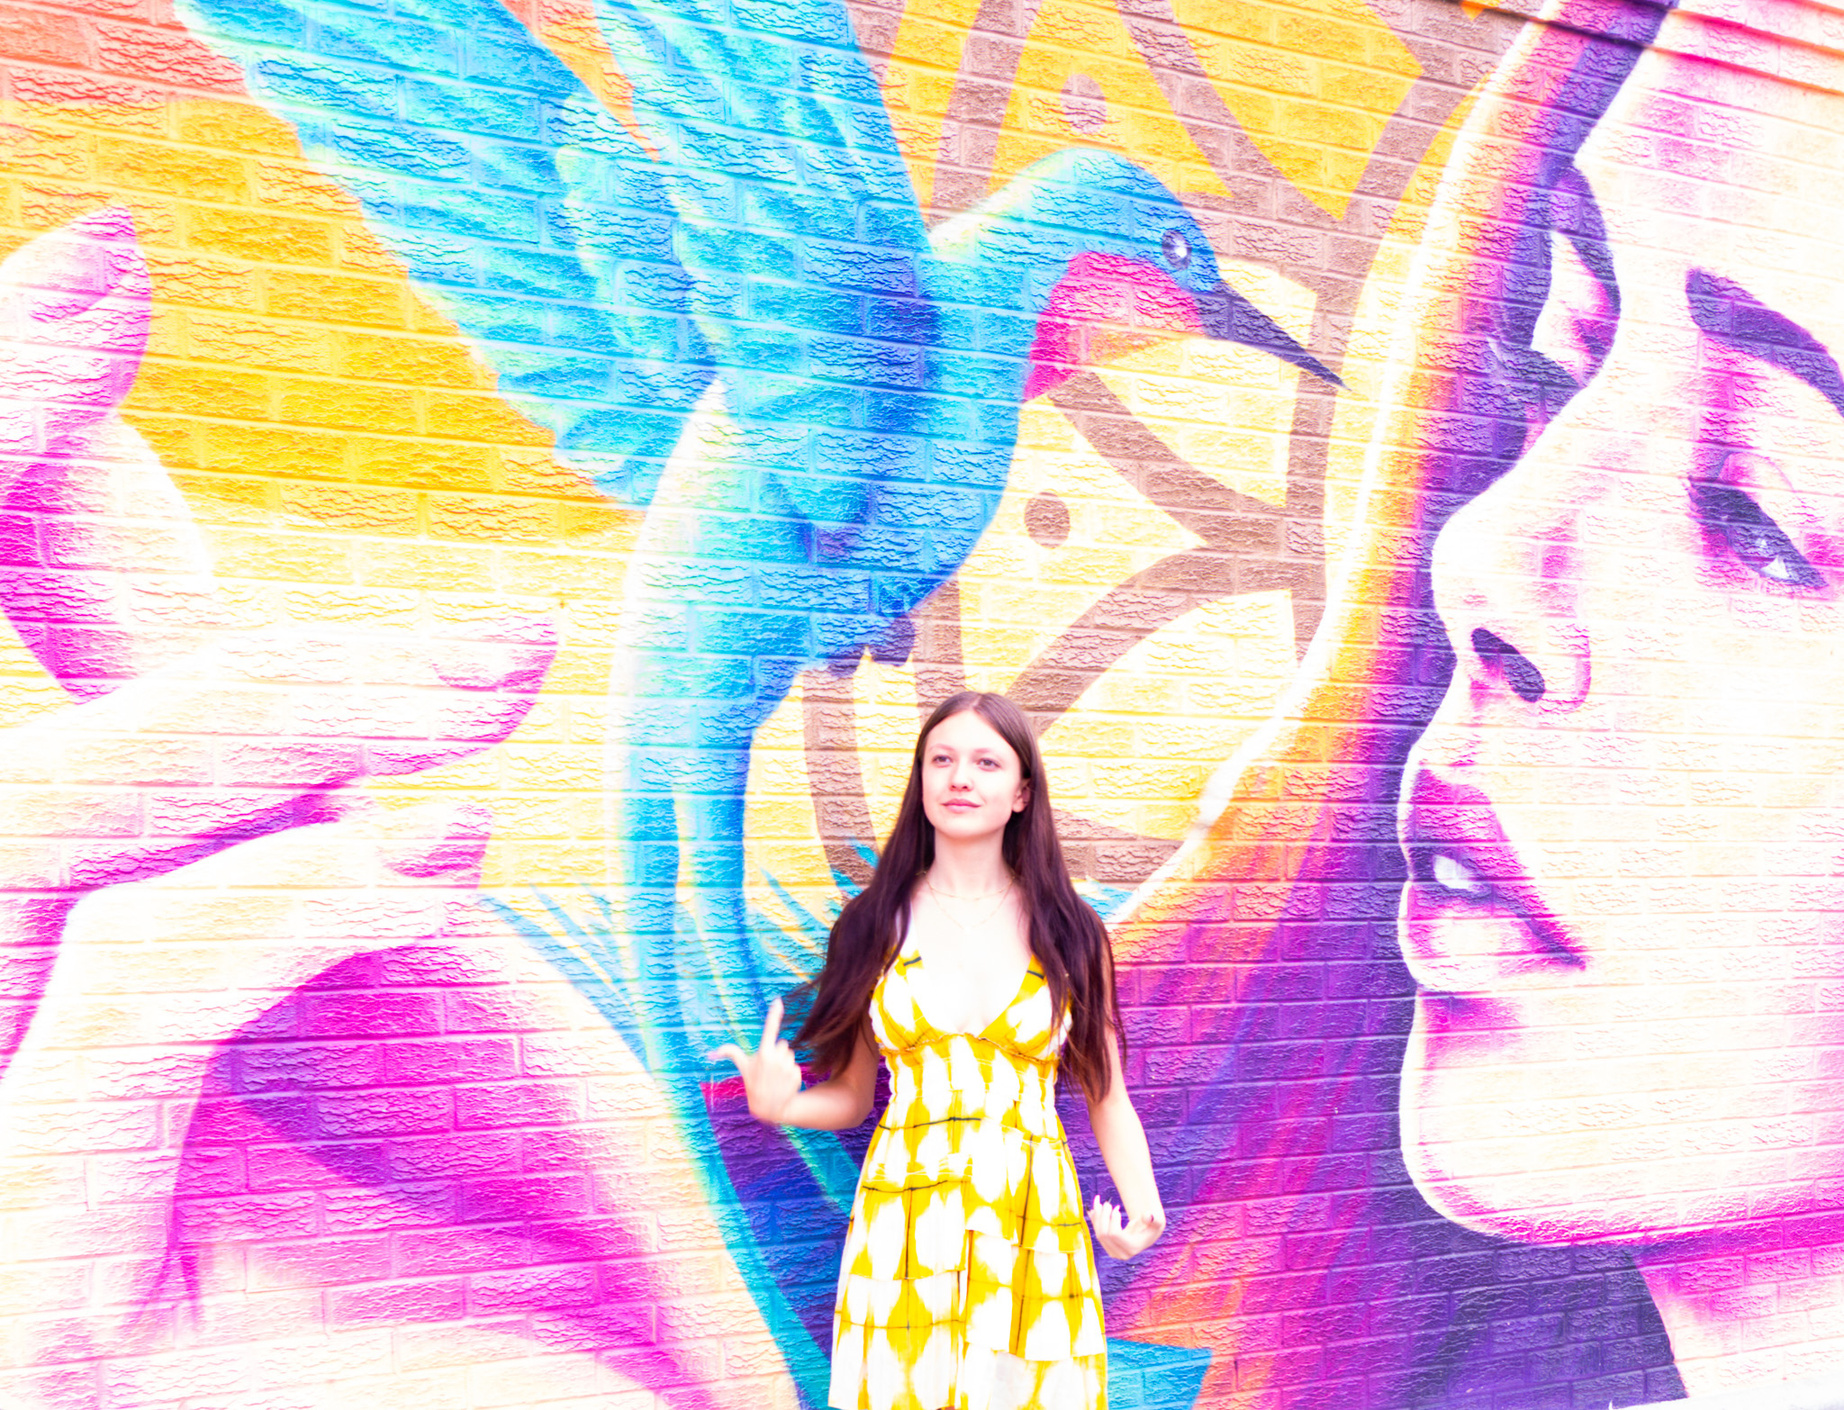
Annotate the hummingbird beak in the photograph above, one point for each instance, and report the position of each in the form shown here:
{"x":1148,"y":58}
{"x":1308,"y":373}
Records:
{"x":1230,"y":318}
{"x":1106,"y":306}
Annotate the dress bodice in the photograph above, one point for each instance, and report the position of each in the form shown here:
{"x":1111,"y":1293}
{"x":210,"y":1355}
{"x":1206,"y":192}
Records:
{"x":1006,"y":1070}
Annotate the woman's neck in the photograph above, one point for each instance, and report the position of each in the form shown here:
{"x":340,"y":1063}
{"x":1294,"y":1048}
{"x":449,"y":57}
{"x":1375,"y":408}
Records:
{"x":969,"y":869}
{"x":1728,"y":1329}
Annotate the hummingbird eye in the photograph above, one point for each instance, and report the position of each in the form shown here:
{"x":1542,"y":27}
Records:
{"x":1177,"y":248}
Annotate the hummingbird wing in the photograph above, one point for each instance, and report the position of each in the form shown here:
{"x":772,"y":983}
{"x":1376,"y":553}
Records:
{"x":799,"y":230}
{"x":520,"y":206}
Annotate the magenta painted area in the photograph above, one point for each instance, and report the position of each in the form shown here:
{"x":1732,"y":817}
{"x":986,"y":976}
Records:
{"x":74,"y":311}
{"x":353,"y":1149}
{"x":1101,"y":293}
{"x":73,"y":326}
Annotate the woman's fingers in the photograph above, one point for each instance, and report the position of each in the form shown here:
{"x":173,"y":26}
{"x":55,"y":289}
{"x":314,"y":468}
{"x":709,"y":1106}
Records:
{"x":1121,"y":1237}
{"x":1144,"y":1232}
{"x":770,"y":1075}
{"x":771,"y":1026}
{"x":729,"y":1052}
{"x":267,"y":723}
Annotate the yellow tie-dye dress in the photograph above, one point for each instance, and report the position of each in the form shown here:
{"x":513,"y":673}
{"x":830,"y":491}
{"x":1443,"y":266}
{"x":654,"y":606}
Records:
{"x":968,"y":1279}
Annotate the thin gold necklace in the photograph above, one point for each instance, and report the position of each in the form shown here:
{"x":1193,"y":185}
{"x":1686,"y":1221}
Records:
{"x":961,"y":925}
{"x":928,"y":881}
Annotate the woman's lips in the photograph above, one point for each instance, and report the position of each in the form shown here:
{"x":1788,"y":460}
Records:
{"x":1471,"y":920}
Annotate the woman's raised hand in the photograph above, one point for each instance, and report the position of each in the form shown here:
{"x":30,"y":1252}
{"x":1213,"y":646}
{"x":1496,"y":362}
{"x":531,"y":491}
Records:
{"x":1122,"y":1237}
{"x":771,"y":1077}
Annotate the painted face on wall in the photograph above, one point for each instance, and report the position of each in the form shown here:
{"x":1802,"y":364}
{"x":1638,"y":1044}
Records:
{"x":1625,"y":825}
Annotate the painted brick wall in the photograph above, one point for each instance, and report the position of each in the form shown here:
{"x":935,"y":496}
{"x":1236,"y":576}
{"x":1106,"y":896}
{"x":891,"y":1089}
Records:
{"x":491,"y":489}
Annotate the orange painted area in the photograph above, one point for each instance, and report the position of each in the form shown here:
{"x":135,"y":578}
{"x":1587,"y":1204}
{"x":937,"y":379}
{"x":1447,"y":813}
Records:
{"x":1312,"y":83}
{"x":1077,"y":47}
{"x":931,"y":43}
{"x":344,"y":454}
{"x":294,"y":380}
{"x":568,"y":29}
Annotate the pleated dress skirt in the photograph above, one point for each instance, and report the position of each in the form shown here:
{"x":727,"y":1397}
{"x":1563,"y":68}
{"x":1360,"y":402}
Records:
{"x":968,"y":1280}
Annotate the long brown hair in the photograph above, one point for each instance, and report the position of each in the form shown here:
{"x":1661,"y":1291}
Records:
{"x":1067,"y":938}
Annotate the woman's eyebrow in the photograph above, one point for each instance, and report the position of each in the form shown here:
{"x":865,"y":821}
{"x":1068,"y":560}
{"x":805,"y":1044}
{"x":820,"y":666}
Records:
{"x":1725,"y":311}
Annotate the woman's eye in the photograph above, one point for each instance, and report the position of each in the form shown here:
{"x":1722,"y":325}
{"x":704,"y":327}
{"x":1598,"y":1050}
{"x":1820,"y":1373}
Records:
{"x":1731,"y":516}
{"x":1575,"y":326}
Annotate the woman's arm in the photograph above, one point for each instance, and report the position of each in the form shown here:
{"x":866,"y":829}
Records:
{"x":771,"y":1077}
{"x":1122,"y":1140}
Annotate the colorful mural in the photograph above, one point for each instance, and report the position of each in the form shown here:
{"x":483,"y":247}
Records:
{"x":491,"y":488}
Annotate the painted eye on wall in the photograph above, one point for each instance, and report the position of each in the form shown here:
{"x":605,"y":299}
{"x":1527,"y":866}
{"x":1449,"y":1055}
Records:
{"x":1732,"y":519}
{"x":1177,"y":249}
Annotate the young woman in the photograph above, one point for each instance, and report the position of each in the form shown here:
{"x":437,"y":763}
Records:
{"x":1625,"y":826}
{"x":970,"y":963}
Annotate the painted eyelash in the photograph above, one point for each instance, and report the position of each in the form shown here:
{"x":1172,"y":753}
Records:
{"x":1751,"y":535}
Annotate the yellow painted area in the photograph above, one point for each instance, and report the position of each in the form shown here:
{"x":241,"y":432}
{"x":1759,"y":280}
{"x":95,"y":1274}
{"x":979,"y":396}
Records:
{"x":1179,"y":703}
{"x":1079,"y":40}
{"x":344,"y":453}
{"x":287,"y":345}
{"x":1017,"y":596}
{"x":931,"y":42}
{"x":1376,"y":325}
{"x":1312,"y":82}
{"x":1225,"y":408}
{"x":886,"y":716}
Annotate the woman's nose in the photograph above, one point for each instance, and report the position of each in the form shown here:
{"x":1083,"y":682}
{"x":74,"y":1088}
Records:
{"x":1508,"y":579}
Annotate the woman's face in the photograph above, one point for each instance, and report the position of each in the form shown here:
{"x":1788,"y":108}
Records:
{"x":972,"y":780}
{"x":1625,"y":825}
